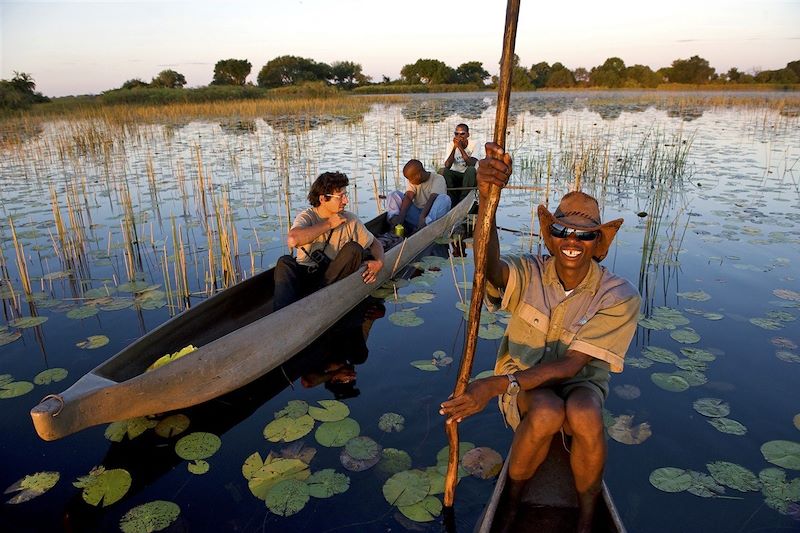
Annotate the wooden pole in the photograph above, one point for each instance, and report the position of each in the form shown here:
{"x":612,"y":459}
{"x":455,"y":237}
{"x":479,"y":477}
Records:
{"x":479,"y":281}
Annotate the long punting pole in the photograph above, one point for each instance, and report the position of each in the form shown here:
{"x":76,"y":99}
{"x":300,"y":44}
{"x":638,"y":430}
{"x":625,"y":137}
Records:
{"x":479,"y":281}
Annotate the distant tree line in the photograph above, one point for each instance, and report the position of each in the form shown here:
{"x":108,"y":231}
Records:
{"x":19,"y":92}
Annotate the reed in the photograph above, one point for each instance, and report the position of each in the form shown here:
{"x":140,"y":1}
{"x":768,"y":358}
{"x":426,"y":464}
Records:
{"x":22,"y":265}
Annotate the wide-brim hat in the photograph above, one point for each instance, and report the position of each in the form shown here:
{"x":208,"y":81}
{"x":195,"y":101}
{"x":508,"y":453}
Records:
{"x":578,"y":210}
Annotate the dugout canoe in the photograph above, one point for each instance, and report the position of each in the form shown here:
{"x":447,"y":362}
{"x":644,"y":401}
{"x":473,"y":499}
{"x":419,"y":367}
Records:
{"x":238,"y":337}
{"x":549,"y":503}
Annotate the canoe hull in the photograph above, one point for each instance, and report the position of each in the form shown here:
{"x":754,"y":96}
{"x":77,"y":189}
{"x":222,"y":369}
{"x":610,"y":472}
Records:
{"x":119,"y":388}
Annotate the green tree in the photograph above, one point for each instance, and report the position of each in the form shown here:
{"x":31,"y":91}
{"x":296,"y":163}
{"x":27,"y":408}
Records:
{"x":539,"y":73}
{"x":642,"y":76}
{"x":581,"y":76}
{"x":19,"y":92}
{"x":471,"y":72}
{"x":231,"y":72}
{"x":346,"y":74}
{"x":427,"y":71}
{"x":560,"y":76}
{"x":783,"y":76}
{"x":291,"y":70}
{"x":692,"y":70}
{"x":794,"y":66}
{"x":169,"y":79}
{"x":609,"y":74}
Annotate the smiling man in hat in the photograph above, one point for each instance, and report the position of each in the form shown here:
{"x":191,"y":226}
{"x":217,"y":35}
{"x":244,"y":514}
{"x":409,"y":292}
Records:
{"x":572,"y":321}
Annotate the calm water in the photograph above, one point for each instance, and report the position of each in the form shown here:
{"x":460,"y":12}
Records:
{"x":719,"y":186}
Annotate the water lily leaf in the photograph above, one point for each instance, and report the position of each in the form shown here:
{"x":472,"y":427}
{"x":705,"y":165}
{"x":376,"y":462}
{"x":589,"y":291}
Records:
{"x":32,"y":486}
{"x":660,"y":355}
{"x":698,"y":354}
{"x":767,"y":323}
{"x":625,"y":432}
{"x":783,"y":453}
{"x":425,"y":511}
{"x":104,"y":486}
{"x":789,"y":357}
{"x":100,"y":292}
{"x":671,"y":479}
{"x":783,"y":342}
{"x":393,"y":461}
{"x":150,"y":517}
{"x":116,"y":304}
{"x":406,"y":319}
{"x":482,"y":462}
{"x":786,"y":294}
{"x":437,"y":479}
{"x":733,"y":476}
{"x":669,"y":382}
{"x":82,"y":312}
{"x":28,"y":322}
{"x":172,"y":425}
{"x":331,"y":411}
{"x":796,"y":420}
{"x":198,"y":467}
{"x":252,"y":464}
{"x":727,"y":425}
{"x":490,"y":332}
{"x":7,"y":337}
{"x":132,"y":427}
{"x":627,"y":392}
{"x":15,"y":388}
{"x":692,"y":377}
{"x":778,"y":493}
{"x":357,"y":465}
{"x":713,"y":316}
{"x":273,"y":472}
{"x":424,"y":364}
{"x":638,"y":362}
{"x":326,"y":483}
{"x":712,"y":407}
{"x":406,"y":488}
{"x":362,"y":448}
{"x":51,"y":375}
{"x":691,"y":365}
{"x":685,"y":336}
{"x":288,"y":429}
{"x":441,"y":359}
{"x":287,"y":497}
{"x":336,"y":434}
{"x":298,"y":450}
{"x":391,"y":422}
{"x":293,"y":409}
{"x":419,"y":297}
{"x":93,"y":342}
{"x":704,"y":485}
{"x":695,"y":296}
{"x":197,"y":445}
{"x":443,"y":455}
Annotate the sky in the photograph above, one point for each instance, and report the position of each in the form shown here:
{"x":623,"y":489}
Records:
{"x":84,"y":47}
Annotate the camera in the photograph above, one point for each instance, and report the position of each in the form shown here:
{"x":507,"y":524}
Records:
{"x":320,"y":260}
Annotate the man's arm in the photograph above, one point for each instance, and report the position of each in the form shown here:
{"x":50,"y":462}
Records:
{"x":452,"y":157}
{"x":374,"y":265}
{"x":480,"y":391}
{"x":494,"y":170}
{"x":302,"y":235}
{"x":427,"y":209}
{"x":408,"y":198}
{"x":468,"y":159}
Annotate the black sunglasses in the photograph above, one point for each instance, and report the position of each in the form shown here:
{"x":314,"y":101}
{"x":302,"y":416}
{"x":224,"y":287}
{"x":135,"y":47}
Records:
{"x":560,"y":232}
{"x":460,"y":132}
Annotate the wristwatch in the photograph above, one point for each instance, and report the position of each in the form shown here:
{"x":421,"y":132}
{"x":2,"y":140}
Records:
{"x":513,"y":385}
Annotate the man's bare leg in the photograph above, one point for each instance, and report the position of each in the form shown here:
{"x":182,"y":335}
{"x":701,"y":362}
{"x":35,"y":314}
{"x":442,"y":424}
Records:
{"x":584,"y":415}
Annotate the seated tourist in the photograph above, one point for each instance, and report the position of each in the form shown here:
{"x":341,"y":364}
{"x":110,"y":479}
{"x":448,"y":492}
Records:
{"x":424,"y":201}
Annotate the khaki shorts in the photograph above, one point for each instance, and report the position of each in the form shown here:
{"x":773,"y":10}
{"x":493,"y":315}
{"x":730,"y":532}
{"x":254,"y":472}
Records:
{"x":510,"y":409}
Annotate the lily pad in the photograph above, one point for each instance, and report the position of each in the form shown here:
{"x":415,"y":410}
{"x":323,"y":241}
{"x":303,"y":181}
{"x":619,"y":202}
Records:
{"x":783,"y":453}
{"x":443,"y":455}
{"x":669,"y":382}
{"x":362,"y":448}
{"x":695,"y":296}
{"x":787,"y":294}
{"x":638,"y":362}
{"x":490,"y":332}
{"x":796,"y":420}
{"x":727,"y":425}
{"x":692,"y":377}
{"x":441,"y":359}
{"x":482,"y":462}
{"x":172,"y":425}
{"x":331,"y":411}
{"x":28,"y":322}
{"x":327,"y":483}
{"x":671,"y":479}
{"x":698,"y":354}
{"x":660,"y":355}
{"x":425,"y":511}
{"x":7,"y":337}
{"x":336,"y":434}
{"x":769,"y":324}
{"x":406,"y":319}
{"x":419,"y":297}
{"x":391,"y":422}
{"x":393,"y":461}
{"x":198,"y":467}
{"x":287,"y":497}
{"x":691,"y":365}
{"x":298,"y":450}
{"x":150,"y":517}
{"x":133,"y":427}
{"x":424,"y":364}
{"x":13,"y":389}
{"x":778,"y":493}
{"x":197,"y":445}
{"x":273,"y":472}
{"x":437,"y":478}
{"x":787,"y":356}
{"x":712,"y":407}
{"x":733,"y":476}
{"x":104,"y":486}
{"x":288,"y":429}
{"x":51,"y":375}
{"x":32,"y":486}
{"x":293,"y":409}
{"x":406,"y":488}
{"x":82,"y":312}
{"x":627,"y":392}
{"x":685,"y":336}
{"x":625,"y":432}
{"x":704,"y":485}
{"x":357,"y":465}
{"x":93,"y":342}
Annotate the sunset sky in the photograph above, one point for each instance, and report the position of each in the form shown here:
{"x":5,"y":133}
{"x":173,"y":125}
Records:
{"x":77,"y":47}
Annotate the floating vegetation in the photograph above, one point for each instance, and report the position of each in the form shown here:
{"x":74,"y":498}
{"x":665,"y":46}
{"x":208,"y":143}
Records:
{"x":391,"y":422}
{"x":330,"y":411}
{"x":132,"y":428}
{"x":712,"y":407}
{"x":733,"y":476}
{"x":406,"y":318}
{"x":671,"y":479}
{"x":150,"y":517}
{"x":623,"y":430}
{"x":288,"y":428}
{"x":627,"y":392}
{"x":28,"y":322}
{"x":172,"y":425}
{"x":695,"y":296}
{"x":670,"y":382}
{"x":32,"y":486}
{"x":104,"y":487}
{"x":195,"y":447}
{"x":685,"y":336}
{"x":11,"y":389}
{"x":726,"y":425}
{"x":93,"y":342}
{"x":482,"y":462}
{"x":51,"y":375}
{"x":783,"y":453}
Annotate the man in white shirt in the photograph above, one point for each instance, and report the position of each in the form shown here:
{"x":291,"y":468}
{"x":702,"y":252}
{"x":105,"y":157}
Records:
{"x":459,"y":164}
{"x":424,"y":201}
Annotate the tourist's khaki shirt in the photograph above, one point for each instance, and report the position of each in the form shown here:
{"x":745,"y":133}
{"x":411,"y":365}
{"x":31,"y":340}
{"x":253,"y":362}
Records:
{"x":598,"y":318}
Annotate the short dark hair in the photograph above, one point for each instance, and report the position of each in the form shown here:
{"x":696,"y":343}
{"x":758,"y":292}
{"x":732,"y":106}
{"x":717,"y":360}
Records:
{"x":326,"y":183}
{"x":466,"y":128}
